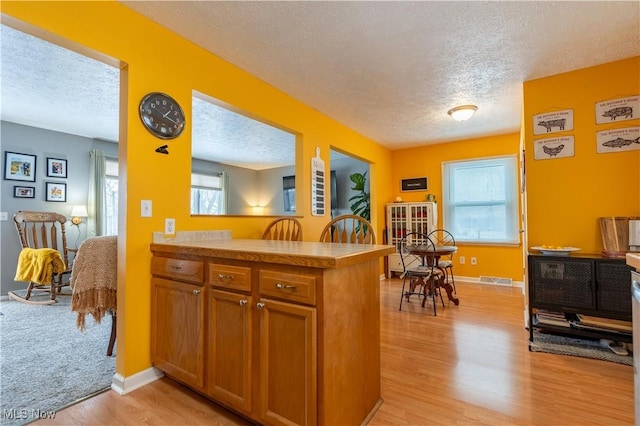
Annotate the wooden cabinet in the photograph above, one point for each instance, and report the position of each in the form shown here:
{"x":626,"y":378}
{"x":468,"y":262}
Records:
{"x":177,"y":320}
{"x":288,"y":358}
{"x":403,"y":218}
{"x":261,"y":306}
{"x":578,"y":285}
{"x":230,"y":357}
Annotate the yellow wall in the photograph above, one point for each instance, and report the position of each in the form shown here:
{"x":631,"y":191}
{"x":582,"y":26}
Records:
{"x":566,"y":196}
{"x":493,"y":260}
{"x":175,"y":66}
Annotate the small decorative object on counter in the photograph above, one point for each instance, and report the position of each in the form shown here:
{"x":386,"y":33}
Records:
{"x":398,"y":199}
{"x":431,"y":198}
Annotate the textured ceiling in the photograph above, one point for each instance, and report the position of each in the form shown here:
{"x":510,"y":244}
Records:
{"x":389,"y":70}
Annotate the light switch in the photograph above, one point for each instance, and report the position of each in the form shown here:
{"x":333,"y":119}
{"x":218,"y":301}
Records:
{"x":145,"y":208}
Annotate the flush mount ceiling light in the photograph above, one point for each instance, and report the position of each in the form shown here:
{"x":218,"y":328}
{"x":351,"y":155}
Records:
{"x":463,"y":112}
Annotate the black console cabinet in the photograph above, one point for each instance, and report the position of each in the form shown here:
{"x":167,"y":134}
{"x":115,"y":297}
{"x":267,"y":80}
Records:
{"x":585,"y":284}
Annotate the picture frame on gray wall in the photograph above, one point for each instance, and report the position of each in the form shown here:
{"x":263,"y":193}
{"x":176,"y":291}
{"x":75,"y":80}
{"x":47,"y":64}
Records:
{"x":19,"y":166}
{"x":56,"y":192}
{"x":56,"y":167}
{"x":24,"y":192}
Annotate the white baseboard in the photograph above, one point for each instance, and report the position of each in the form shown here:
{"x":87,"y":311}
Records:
{"x":476,"y":280}
{"x":124,"y":385}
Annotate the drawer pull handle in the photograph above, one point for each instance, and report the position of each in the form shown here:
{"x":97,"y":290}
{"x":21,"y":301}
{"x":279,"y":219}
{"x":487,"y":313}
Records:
{"x":260,"y":305}
{"x":243,"y":302}
{"x":285,"y":286}
{"x":196,"y":292}
{"x":175,"y":268}
{"x":225,"y":277}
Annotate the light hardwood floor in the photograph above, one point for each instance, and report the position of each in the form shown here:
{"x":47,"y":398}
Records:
{"x":469,"y":365}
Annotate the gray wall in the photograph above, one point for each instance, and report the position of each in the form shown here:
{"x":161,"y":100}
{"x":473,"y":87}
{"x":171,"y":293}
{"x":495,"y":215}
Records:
{"x":345,"y":167}
{"x":43,"y":143}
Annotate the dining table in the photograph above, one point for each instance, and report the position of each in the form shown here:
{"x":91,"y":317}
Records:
{"x":431,"y":256}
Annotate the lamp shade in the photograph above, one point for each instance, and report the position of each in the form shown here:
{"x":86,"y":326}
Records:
{"x":463,"y":112}
{"x":79,"y":211}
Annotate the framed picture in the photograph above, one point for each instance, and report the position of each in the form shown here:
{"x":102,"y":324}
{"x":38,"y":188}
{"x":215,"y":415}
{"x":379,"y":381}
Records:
{"x":24,"y":192}
{"x":56,"y":167}
{"x":56,"y":191}
{"x":414,"y":184}
{"x":19,"y":166}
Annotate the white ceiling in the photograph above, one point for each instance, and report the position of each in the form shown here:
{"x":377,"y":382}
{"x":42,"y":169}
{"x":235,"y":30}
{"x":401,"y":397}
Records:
{"x":389,"y":70}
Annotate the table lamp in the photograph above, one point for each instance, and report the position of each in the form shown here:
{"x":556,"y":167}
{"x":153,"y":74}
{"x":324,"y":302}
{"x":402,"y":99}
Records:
{"x":77,"y":213}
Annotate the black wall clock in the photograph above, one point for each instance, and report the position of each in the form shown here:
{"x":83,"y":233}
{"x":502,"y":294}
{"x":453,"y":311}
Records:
{"x":161,"y":115}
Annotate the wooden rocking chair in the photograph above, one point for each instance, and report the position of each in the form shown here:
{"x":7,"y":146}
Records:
{"x":44,"y":230}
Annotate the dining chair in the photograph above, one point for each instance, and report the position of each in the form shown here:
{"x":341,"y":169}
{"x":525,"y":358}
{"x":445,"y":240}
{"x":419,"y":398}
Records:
{"x":348,"y":228}
{"x":442,"y":237}
{"x":423,"y":276}
{"x":44,"y":258}
{"x":284,"y":229}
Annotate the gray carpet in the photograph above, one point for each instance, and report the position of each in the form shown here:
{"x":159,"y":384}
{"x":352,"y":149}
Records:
{"x":550,"y":343}
{"x":46,"y":362}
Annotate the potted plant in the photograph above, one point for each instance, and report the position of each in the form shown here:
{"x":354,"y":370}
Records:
{"x":361,"y":201}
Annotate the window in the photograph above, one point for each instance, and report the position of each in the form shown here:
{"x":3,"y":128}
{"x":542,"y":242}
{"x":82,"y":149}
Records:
{"x":481,"y":200}
{"x":208,"y":194}
{"x":289,"y":193}
{"x":111,"y":198}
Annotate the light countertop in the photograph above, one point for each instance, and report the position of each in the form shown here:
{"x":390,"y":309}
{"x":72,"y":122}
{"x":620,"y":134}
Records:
{"x":302,"y":253}
{"x":633,"y":260}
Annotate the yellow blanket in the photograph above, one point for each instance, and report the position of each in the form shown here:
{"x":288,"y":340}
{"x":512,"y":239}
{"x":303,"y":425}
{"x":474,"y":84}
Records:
{"x":39,"y":265}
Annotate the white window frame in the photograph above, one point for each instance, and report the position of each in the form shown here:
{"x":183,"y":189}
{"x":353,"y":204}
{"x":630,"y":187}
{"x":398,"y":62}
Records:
{"x":509,"y":202}
{"x":208,"y":182}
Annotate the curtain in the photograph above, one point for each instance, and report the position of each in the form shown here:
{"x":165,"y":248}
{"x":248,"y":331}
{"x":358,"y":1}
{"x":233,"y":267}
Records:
{"x":96,"y":198}
{"x":224,"y":176}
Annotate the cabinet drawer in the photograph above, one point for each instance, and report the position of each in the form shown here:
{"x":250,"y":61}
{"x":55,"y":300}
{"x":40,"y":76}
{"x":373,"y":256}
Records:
{"x":293,"y":287}
{"x":180,"y":269}
{"x":231,"y":277}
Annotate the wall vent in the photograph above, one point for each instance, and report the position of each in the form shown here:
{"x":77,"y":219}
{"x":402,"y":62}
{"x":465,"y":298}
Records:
{"x":495,"y":280}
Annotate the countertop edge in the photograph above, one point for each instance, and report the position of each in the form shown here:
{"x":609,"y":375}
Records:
{"x":633,"y":260}
{"x":287,"y":257}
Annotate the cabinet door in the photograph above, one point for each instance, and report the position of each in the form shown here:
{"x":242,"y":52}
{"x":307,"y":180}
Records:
{"x":177,"y":330}
{"x":614,"y":292}
{"x":288,"y":363}
{"x":230,"y":355}
{"x":396,"y":223}
{"x":562,"y":283}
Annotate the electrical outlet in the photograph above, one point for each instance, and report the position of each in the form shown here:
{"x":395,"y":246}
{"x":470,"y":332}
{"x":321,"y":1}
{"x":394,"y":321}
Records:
{"x":145,"y":208}
{"x":474,"y":261}
{"x":461,"y":259}
{"x":169,"y":226}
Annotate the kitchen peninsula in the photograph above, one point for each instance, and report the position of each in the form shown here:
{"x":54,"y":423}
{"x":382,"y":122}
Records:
{"x":281,"y":332}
